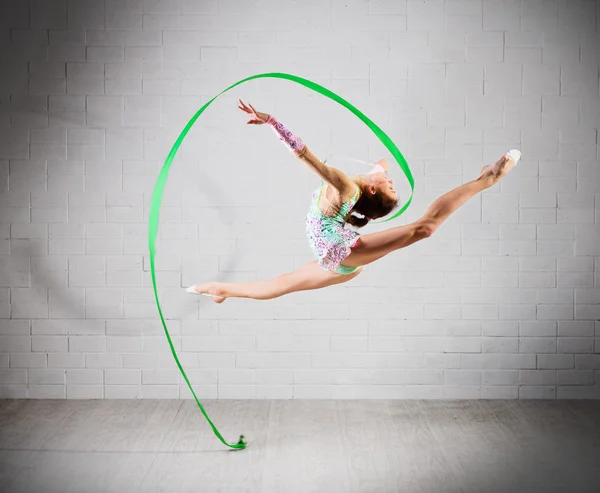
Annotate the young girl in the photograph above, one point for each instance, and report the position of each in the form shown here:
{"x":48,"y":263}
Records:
{"x":342,"y":252}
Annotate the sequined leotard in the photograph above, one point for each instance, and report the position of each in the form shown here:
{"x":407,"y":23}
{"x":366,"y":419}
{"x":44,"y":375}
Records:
{"x":329,"y":240}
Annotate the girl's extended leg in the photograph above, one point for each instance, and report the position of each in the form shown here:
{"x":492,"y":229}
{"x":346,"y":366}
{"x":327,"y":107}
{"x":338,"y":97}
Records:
{"x":309,"y":276}
{"x":373,"y":246}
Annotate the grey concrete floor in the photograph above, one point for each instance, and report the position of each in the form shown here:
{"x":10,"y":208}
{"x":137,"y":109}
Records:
{"x":300,"y":446}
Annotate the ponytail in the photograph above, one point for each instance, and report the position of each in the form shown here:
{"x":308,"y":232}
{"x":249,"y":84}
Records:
{"x":370,"y":206}
{"x":356,"y":221}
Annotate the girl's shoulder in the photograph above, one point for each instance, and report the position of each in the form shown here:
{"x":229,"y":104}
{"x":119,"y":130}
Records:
{"x":333,"y":195}
{"x":331,"y":202}
{"x":353,"y":194}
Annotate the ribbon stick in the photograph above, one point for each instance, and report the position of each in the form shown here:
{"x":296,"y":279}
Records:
{"x":162,"y":179}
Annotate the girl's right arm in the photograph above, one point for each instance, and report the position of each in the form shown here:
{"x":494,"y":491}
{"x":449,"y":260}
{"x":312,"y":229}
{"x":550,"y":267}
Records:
{"x":336,"y":178}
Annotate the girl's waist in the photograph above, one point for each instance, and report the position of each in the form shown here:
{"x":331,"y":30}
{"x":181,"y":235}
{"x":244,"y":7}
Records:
{"x":316,"y":216}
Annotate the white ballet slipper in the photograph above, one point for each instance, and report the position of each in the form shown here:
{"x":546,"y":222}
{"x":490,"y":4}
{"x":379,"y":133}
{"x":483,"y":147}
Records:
{"x":514,"y":154}
{"x":191,"y":290}
{"x":216,"y":298}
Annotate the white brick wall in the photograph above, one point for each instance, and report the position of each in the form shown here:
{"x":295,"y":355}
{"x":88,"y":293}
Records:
{"x":504,"y":301}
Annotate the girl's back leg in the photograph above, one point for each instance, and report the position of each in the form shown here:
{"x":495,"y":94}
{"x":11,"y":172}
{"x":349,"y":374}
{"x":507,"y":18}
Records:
{"x":374,"y":246}
{"x":309,"y":276}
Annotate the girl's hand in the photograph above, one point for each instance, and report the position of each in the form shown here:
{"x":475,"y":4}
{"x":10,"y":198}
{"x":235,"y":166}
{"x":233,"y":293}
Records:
{"x":384,"y":164}
{"x":257,"y":117}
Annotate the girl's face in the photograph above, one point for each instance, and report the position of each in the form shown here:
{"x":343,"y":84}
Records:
{"x":384,"y":184}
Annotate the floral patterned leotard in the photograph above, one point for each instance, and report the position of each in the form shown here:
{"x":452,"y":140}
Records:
{"x":328,"y":237}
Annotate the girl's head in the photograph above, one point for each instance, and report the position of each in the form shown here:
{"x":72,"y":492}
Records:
{"x":377,"y":199}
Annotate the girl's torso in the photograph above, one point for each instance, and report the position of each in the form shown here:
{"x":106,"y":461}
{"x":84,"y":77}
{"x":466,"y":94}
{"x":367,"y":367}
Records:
{"x":328,"y":237}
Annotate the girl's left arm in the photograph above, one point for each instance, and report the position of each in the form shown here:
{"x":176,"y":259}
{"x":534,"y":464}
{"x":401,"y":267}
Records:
{"x":376,"y":169}
{"x":336,"y":178}
{"x":383,"y":164}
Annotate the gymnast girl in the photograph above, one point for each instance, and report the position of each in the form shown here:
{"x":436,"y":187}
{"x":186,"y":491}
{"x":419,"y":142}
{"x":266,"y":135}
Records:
{"x":342,"y":200}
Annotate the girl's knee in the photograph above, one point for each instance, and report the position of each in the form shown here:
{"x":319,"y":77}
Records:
{"x":426,"y":228}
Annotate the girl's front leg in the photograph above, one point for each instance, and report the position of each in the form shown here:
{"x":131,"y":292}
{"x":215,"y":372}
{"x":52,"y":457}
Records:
{"x":310,"y":276}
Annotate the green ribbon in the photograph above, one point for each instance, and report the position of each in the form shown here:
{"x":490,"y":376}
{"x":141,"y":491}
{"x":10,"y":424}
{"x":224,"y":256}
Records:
{"x":162,"y":179}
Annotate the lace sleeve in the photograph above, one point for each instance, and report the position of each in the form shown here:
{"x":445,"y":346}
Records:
{"x":293,"y":142}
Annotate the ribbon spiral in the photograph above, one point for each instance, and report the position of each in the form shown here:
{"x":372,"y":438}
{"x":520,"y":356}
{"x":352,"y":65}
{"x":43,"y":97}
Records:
{"x":162,"y":179}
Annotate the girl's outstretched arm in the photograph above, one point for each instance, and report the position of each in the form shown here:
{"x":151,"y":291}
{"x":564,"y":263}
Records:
{"x":335,"y":177}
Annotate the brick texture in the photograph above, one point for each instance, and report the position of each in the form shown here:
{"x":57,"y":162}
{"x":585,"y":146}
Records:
{"x":502,"y":302}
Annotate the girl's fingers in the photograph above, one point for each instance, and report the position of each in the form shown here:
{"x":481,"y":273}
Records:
{"x":256,"y":119}
{"x":250,"y":109}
